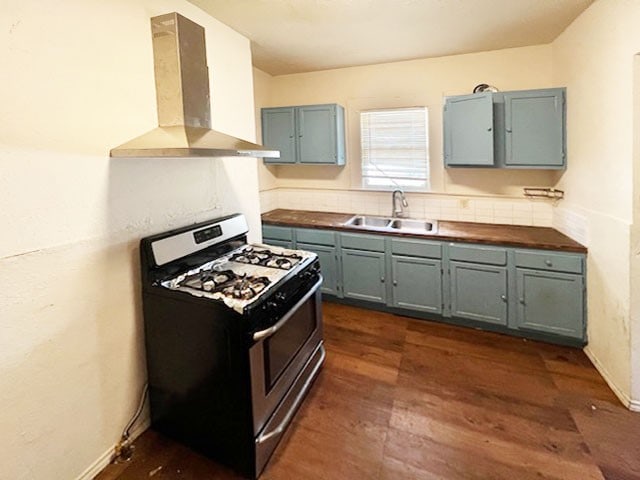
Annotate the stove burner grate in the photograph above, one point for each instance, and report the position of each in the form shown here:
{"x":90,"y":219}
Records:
{"x":266,"y":258}
{"x":227,"y":283}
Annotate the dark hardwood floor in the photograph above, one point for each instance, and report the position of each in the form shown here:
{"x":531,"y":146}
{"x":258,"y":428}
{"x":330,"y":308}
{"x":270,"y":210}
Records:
{"x":408,"y":399}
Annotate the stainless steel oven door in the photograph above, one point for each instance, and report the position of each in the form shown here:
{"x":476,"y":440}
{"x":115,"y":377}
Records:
{"x":281,"y":353}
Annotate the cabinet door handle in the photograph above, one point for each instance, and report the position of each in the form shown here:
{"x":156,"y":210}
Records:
{"x":382,"y":279}
{"x":521,"y":300}
{"x":503,"y":297}
{"x":508,"y":130}
{"x":395,"y":283}
{"x":489,"y":129}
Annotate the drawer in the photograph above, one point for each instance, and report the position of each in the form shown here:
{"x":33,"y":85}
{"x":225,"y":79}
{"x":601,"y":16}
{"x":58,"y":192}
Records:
{"x":278,"y":243}
{"x":316,"y":237}
{"x":277,"y":233}
{"x":552,"y":261}
{"x":416,"y":248}
{"x":362,"y":242}
{"x":478,"y":254}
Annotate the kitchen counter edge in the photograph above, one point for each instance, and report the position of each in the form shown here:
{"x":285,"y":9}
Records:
{"x":545,"y":238}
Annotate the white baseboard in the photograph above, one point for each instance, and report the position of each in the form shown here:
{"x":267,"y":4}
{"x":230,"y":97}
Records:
{"x":104,"y":459}
{"x":622,"y":396}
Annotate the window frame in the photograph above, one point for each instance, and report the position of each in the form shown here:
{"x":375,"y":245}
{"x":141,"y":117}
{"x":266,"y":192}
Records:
{"x":395,"y":182}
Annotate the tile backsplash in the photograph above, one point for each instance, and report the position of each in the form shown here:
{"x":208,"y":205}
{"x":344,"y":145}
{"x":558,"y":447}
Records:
{"x":501,"y":210}
{"x":571,"y":223}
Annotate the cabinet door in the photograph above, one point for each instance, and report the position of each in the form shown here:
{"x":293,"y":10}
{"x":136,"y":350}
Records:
{"x":479,"y":292}
{"x":468,"y":130}
{"x":328,"y":265}
{"x":534,"y":128}
{"x":317,"y":134}
{"x":278,"y":131}
{"x":363,"y":275}
{"x":551,"y":302}
{"x":417,"y":283}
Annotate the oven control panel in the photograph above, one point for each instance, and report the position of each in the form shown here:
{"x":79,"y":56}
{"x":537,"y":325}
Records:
{"x":207,"y":234}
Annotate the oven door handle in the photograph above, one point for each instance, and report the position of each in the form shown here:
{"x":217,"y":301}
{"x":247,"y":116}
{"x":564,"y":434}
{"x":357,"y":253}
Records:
{"x":267,"y":332}
{"x":296,"y":403}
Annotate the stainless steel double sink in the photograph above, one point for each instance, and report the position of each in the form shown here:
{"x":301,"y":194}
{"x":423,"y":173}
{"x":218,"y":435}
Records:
{"x":392,"y":224}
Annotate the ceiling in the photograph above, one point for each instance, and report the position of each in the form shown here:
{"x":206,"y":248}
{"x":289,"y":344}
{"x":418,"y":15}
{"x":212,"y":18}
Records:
{"x":291,"y":36}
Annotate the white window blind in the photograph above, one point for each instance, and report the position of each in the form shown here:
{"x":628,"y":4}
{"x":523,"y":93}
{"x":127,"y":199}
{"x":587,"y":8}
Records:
{"x":395,"y":148}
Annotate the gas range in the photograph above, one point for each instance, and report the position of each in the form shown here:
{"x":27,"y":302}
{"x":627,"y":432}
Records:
{"x":242,"y":276}
{"x":233,"y":336}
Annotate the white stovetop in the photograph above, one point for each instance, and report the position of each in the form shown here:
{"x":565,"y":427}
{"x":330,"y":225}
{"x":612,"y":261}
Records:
{"x":224,"y":263}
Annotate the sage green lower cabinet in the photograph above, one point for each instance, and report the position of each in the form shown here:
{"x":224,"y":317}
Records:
{"x":278,"y":243}
{"x":363,"y":275}
{"x":417,"y":284}
{"x":479,"y":292}
{"x":550,"y":302}
{"x":277,"y":236}
{"x":529,"y":292}
{"x":328,"y":258}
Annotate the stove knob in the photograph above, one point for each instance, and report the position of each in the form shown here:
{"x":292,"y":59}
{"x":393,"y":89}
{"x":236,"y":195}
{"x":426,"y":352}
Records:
{"x":272,"y":304}
{"x":281,"y":296}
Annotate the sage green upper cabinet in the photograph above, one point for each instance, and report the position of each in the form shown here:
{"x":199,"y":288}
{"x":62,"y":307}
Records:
{"x":468,"y":130}
{"x":279,"y":131}
{"x":308,"y":134}
{"x":534,"y":128}
{"x":519,"y":129}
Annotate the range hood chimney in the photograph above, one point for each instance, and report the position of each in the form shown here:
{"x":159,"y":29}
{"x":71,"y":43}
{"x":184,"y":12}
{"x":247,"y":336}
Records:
{"x":182,"y":91}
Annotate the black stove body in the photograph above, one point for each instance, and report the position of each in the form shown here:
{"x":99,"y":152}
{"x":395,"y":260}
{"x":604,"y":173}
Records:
{"x":226,"y":374}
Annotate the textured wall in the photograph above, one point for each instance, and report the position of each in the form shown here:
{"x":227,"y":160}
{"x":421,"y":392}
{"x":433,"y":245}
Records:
{"x":594,"y":59}
{"x":77,"y":79}
{"x":262,"y":97}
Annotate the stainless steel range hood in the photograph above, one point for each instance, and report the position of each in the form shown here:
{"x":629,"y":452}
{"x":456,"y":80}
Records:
{"x":182,"y":91}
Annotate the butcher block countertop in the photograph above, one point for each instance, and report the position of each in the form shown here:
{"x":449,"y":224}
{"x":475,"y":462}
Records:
{"x":508,"y":235}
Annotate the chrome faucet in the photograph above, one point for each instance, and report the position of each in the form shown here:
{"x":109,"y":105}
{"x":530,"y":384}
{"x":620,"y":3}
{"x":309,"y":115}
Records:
{"x":398,"y":209}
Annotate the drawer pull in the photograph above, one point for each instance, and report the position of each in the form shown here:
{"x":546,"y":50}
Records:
{"x":548,"y":263}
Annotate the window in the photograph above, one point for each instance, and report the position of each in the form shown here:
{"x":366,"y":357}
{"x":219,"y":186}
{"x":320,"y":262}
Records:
{"x":395,"y":148}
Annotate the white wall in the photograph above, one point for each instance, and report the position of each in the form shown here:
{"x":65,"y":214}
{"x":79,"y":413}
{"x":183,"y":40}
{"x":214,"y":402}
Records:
{"x":262,"y":98}
{"x":416,"y":82}
{"x":635,"y":244}
{"x":77,"y":80}
{"x":593,"y":58}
